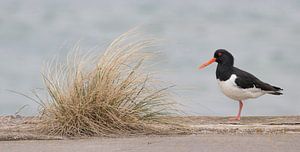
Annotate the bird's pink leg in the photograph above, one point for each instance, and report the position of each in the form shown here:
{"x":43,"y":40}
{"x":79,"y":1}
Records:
{"x":238,"y":117}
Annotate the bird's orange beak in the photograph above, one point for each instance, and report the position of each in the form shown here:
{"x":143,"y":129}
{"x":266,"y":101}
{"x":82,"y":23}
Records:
{"x":207,"y":63}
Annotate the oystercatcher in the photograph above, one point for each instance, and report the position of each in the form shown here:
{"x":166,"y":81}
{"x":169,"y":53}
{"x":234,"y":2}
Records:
{"x":237,"y":84}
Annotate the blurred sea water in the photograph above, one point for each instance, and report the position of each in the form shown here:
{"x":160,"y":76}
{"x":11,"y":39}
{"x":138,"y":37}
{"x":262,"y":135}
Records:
{"x":264,"y":37}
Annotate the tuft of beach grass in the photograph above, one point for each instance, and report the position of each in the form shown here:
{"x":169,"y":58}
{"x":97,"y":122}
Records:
{"x":112,"y":93}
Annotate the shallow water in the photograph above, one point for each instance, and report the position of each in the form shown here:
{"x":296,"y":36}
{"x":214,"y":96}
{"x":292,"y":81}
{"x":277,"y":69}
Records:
{"x":263,"y":36}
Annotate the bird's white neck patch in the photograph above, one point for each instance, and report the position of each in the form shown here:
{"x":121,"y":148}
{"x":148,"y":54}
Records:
{"x":231,"y":79}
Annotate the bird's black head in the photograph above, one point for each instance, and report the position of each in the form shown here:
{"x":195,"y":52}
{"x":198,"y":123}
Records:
{"x":222,"y":57}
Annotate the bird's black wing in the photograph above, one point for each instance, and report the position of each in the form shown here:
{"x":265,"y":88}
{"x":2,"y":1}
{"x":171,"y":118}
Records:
{"x":247,"y":80}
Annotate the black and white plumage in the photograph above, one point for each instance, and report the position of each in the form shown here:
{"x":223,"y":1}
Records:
{"x":237,"y":84}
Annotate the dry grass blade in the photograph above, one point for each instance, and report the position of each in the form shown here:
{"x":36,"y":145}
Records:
{"x":104,"y":95}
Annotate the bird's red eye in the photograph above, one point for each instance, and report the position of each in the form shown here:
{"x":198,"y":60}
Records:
{"x":220,"y":54}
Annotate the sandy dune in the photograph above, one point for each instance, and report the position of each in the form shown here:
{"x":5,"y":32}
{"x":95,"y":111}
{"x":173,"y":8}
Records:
{"x":191,"y":143}
{"x":209,"y":134}
{"x":23,"y":128}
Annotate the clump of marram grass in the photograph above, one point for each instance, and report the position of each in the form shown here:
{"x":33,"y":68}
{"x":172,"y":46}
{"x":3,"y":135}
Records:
{"x":104,"y":94}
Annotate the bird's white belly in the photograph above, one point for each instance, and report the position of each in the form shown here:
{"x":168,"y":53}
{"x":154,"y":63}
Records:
{"x":231,"y":90}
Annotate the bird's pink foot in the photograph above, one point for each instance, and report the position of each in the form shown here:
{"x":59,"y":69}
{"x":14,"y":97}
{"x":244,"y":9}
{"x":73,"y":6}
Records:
{"x":238,"y":117}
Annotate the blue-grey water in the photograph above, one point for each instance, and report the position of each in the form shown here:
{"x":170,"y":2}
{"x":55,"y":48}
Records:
{"x":264,"y":36}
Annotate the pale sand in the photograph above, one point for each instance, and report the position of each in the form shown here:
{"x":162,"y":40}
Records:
{"x":190,"y":143}
{"x":23,"y":128}
{"x":208,"y":134}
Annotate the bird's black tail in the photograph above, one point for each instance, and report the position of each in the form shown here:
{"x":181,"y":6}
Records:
{"x":276,"y":91}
